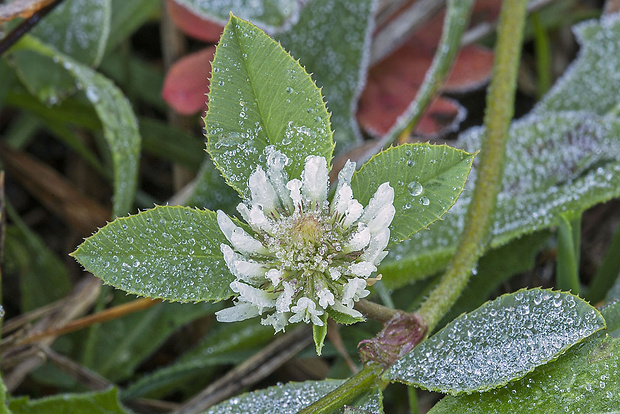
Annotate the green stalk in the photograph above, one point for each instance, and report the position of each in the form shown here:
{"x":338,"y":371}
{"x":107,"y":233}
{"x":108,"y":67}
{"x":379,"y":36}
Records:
{"x":569,"y":236}
{"x":455,"y":23}
{"x":500,"y":109}
{"x":347,"y":392}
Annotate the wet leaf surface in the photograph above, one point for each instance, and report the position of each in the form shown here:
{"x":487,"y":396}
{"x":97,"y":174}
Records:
{"x":499,"y":342}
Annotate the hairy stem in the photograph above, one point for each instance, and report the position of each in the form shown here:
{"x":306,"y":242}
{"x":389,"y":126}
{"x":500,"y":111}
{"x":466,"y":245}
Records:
{"x":500,"y":109}
{"x":347,"y":392}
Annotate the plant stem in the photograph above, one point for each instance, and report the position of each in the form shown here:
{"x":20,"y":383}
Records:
{"x":567,"y":269}
{"x":376,"y":311}
{"x":347,"y":392}
{"x":500,"y":109}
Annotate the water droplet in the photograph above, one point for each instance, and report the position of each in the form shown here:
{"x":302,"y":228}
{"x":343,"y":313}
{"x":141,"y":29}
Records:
{"x":415,"y":188}
{"x":425,"y":201}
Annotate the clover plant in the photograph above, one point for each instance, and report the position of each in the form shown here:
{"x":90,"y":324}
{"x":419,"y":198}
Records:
{"x":302,"y":252}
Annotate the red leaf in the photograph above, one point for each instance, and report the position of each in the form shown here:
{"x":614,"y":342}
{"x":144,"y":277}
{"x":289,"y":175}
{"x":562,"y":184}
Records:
{"x":187,"y":82}
{"x":193,"y":25}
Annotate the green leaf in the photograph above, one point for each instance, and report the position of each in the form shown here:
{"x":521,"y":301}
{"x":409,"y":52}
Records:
{"x":120,"y":127}
{"x":291,"y":398}
{"x":225,"y":344}
{"x":339,"y":67}
{"x":567,"y":161}
{"x":586,"y":379}
{"x":496,"y":267}
{"x":591,"y":83}
{"x":427,"y":180}
{"x":77,"y":28}
{"x":499,"y":342}
{"x":319,"y":333}
{"x":261,"y":99}
{"x":269,"y":14}
{"x":105,"y":402}
{"x":42,"y":77}
{"x":167,"y":252}
{"x":611,"y":313}
{"x":123,"y":344}
{"x":569,"y":234}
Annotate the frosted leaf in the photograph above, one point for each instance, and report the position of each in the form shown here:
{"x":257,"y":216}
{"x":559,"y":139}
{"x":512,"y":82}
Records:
{"x":556,"y":162}
{"x":78,"y":28}
{"x":269,"y":14}
{"x":584,"y":380}
{"x":441,"y":170}
{"x":252,"y":114}
{"x":499,"y":342}
{"x":592,"y":82}
{"x":332,"y":40}
{"x":292,"y":397}
{"x":176,"y":249}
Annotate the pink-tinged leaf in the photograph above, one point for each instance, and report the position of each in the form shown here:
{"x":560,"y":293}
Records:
{"x":187,"y":82}
{"x":443,"y":116}
{"x":194,"y":25}
{"x":472,"y":69}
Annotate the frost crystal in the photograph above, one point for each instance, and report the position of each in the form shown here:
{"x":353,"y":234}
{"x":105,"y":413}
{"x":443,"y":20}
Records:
{"x":307,"y":257}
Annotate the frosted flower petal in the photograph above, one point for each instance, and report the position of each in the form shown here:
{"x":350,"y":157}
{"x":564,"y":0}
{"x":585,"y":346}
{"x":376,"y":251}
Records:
{"x":315,"y":180}
{"x":262,"y":191}
{"x":239,"y":312}
{"x":306,"y":257}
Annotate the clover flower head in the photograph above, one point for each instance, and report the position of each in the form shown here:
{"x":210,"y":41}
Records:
{"x":306,"y":257}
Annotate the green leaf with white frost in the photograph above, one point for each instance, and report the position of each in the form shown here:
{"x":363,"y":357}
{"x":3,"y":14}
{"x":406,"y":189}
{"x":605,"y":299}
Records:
{"x":427,"y":180}
{"x":555,"y":163}
{"x":271,"y":15}
{"x":339,"y":67}
{"x":102,"y":402}
{"x":592,"y":82}
{"x":120,"y":128}
{"x":171,"y":253}
{"x":584,"y":380}
{"x":260,"y":100}
{"x":77,"y":28}
{"x":292,"y":397}
{"x":499,"y":342}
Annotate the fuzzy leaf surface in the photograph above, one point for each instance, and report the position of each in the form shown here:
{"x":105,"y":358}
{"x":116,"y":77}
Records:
{"x":499,"y":342}
{"x":592,"y":82}
{"x":427,"y":180}
{"x":261,"y":99}
{"x":78,"y":28}
{"x":171,"y":253}
{"x":585,"y":379}
{"x":555,"y":163}
{"x":292,"y":397}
